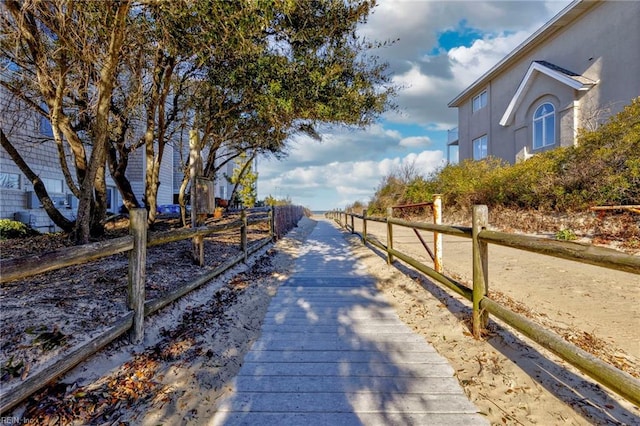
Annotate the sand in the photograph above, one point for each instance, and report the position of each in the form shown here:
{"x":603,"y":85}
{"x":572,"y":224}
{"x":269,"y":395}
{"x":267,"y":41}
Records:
{"x":511,"y":379}
{"x":193,"y":349}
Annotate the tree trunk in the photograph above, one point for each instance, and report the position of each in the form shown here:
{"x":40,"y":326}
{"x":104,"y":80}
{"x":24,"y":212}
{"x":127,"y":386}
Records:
{"x":240,"y":175}
{"x":118,"y":174}
{"x":101,"y":127}
{"x":181,"y":198}
{"x":38,"y":187}
{"x":161,"y":89}
{"x":99,"y":208}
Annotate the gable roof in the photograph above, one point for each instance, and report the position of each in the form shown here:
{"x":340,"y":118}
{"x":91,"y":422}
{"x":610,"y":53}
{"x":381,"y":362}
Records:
{"x":571,"y":79}
{"x":565,"y":17}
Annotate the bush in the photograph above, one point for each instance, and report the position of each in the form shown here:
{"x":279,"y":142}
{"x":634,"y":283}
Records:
{"x":566,"y":235}
{"x":469,"y":182}
{"x":605,"y":166}
{"x":10,"y":229}
{"x":603,"y":169}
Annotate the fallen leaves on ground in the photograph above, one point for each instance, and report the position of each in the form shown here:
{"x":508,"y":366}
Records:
{"x":138,"y":382}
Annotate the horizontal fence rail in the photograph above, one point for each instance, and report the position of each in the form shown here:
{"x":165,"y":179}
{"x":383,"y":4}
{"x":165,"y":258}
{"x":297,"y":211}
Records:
{"x":617,"y":380}
{"x":280,"y":220}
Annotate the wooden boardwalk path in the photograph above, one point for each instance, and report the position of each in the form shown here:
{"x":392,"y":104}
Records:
{"x":334,"y":352}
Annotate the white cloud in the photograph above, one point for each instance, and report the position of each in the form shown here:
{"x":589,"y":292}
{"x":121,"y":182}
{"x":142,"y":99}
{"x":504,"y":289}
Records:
{"x":416,"y":141}
{"x":349,"y":164}
{"x":429,"y":80}
{"x":469,"y":63}
{"x":339,"y":182}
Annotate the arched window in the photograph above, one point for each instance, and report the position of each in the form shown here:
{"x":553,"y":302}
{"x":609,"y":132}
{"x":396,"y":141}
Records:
{"x":544,"y":126}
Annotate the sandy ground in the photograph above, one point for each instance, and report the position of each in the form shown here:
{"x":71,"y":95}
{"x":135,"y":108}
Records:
{"x":190,"y":351}
{"x":193,"y":349}
{"x":511,"y":379}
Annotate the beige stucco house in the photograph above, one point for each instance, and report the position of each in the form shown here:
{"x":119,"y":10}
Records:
{"x":574,"y":72}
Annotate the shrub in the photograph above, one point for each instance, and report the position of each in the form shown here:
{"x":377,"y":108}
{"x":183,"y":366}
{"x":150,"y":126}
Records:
{"x":468,"y":183}
{"x":13,"y":229}
{"x":566,"y":235}
{"x":419,"y":190}
{"x":604,"y":168}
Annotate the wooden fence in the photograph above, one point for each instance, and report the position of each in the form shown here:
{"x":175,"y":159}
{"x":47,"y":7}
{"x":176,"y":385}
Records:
{"x":280,"y":219}
{"x":617,"y":380}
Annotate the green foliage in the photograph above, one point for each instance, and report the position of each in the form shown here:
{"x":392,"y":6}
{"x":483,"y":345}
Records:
{"x":419,"y":190}
{"x":566,"y":235}
{"x":12,"y":229}
{"x":603,"y":169}
{"x":246,"y":179}
{"x":356,"y":207}
{"x":9,"y":369}
{"x":246,"y":74}
{"x":272,"y":201}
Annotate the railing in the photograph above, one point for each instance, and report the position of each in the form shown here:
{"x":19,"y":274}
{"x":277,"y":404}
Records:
{"x":280,"y":220}
{"x":617,"y":380}
{"x":452,"y":136}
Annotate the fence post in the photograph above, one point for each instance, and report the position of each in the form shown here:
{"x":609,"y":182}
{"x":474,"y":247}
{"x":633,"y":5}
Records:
{"x":195,"y":170}
{"x":437,"y":237}
{"x":272,"y":224}
{"x":243,"y":233}
{"x":389,"y":236}
{"x":353,"y":229}
{"x":364,"y":226}
{"x":137,"y":272}
{"x":480,"y":219}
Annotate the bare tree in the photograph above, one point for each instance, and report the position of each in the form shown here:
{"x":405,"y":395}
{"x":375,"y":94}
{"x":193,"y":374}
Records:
{"x":59,"y":65}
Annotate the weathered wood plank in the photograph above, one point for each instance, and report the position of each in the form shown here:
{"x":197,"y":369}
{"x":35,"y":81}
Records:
{"x":23,"y":267}
{"x":623,"y":383}
{"x":159,"y":238}
{"x":333,"y":349}
{"x":12,"y":396}
{"x":480,"y":220}
{"x":137,"y":272}
{"x":585,"y":253}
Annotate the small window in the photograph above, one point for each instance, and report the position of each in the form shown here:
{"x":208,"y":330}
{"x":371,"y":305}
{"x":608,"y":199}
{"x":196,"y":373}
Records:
{"x":544,"y":126}
{"x":53,"y":186}
{"x":9,"y":180}
{"x":45,"y":124}
{"x":480,"y":101}
{"x":110,"y":198}
{"x":480,"y":148}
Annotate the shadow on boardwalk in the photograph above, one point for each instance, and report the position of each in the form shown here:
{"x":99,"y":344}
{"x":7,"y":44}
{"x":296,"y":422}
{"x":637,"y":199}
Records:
{"x":334,"y":352}
{"x":591,"y":403}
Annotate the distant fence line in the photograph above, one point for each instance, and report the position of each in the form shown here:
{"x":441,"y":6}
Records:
{"x":606,"y":374}
{"x":280,"y":219}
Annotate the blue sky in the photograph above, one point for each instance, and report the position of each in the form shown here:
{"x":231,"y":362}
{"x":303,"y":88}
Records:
{"x":443,"y":47}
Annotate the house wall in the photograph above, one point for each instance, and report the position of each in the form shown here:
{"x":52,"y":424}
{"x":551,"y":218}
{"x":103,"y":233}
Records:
{"x":478,"y":122}
{"x":222,"y":188}
{"x":136,"y":170}
{"x":165,"y":190}
{"x":601,"y":44}
{"x":23,"y":129}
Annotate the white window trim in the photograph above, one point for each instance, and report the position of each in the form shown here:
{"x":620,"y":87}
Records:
{"x":543,"y":119}
{"x":527,"y":81}
{"x":53,"y":185}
